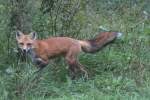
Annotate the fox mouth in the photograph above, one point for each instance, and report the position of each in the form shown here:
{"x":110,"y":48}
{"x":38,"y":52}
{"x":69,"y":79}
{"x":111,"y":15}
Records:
{"x":25,"y":51}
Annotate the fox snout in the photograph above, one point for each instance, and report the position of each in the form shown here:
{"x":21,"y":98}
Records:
{"x":25,"y":50}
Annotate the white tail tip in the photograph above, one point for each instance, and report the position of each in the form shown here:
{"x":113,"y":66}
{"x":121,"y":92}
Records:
{"x":119,"y":34}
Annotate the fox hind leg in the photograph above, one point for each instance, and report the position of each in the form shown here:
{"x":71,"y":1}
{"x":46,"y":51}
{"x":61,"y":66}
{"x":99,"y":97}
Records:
{"x":75,"y":67}
{"x":74,"y":64}
{"x":72,"y":67}
{"x":82,"y":68}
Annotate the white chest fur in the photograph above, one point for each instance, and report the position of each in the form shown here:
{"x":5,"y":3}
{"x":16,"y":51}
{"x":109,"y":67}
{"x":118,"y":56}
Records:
{"x":35,"y":59}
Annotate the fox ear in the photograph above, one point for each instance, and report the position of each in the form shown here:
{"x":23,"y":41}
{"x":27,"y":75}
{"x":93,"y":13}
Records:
{"x":18,"y":34}
{"x":33,"y":35}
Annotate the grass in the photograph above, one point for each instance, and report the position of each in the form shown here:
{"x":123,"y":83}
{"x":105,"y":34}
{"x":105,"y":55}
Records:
{"x":118,"y":72}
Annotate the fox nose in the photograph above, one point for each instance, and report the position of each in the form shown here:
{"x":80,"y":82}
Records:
{"x":24,"y":50}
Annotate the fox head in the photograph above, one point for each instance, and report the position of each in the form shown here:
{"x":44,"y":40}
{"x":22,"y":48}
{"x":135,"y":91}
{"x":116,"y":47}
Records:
{"x":25,"y":42}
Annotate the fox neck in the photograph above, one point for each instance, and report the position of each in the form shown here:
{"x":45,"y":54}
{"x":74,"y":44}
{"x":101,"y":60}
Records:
{"x":32,"y":53}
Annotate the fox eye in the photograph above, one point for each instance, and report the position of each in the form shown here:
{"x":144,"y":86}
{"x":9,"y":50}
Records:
{"x":29,"y":44}
{"x":21,"y":43}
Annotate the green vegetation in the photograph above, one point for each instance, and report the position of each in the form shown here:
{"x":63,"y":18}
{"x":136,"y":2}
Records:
{"x":121,"y":71}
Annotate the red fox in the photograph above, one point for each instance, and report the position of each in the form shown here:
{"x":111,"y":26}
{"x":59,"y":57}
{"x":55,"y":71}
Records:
{"x":42,"y":50}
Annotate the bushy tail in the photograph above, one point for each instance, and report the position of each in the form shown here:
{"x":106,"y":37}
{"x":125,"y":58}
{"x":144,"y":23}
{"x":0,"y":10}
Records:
{"x":94,"y":45}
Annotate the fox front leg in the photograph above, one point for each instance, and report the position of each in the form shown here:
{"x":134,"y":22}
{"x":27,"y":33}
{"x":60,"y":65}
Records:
{"x":40,"y":63}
